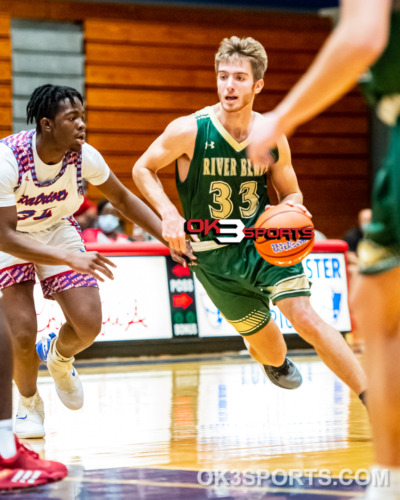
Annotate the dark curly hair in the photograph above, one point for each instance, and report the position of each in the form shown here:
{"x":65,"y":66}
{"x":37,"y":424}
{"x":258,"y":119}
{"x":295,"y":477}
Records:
{"x":45,"y":102}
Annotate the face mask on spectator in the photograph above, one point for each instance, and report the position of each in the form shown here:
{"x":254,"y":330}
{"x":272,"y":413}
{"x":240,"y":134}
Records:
{"x":108,"y":223}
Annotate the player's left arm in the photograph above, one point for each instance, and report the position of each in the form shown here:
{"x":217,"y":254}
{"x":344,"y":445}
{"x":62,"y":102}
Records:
{"x":283,"y":177}
{"x":134,"y":209}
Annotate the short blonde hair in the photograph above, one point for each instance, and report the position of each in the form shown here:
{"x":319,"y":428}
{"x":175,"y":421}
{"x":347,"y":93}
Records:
{"x":243,"y":49}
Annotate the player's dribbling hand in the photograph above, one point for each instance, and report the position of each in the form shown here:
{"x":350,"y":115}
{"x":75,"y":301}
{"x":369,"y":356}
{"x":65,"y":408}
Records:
{"x":298,"y":205}
{"x":92,"y":263}
{"x":293,"y":204}
{"x":184,"y":258}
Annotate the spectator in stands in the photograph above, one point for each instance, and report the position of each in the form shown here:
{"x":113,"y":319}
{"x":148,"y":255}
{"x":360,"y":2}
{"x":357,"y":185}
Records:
{"x":86,"y":214}
{"x":353,"y":237}
{"x":109,"y":226}
{"x":139,"y":234}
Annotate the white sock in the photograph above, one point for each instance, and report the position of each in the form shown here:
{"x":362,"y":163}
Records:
{"x":385,"y":479}
{"x":7,"y":439}
{"x":31,"y":400}
{"x":56,"y":354}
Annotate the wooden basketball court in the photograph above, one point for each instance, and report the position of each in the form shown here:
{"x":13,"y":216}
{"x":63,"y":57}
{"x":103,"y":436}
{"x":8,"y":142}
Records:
{"x":211,"y":427}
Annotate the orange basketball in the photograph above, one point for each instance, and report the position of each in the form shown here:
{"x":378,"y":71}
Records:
{"x":284,"y":235}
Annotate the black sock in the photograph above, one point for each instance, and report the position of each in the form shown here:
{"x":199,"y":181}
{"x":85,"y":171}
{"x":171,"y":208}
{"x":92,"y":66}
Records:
{"x":283,"y":365}
{"x":363,"y":397}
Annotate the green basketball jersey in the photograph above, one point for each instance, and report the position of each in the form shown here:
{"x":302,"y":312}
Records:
{"x":222,"y":183}
{"x":384,"y":76}
{"x":380,"y":249}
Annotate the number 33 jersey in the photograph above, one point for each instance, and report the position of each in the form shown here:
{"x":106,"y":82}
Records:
{"x":222,"y":183}
{"x":45,"y":194}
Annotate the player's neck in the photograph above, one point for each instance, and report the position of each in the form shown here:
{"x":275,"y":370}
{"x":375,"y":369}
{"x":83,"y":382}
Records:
{"x":48,"y":152}
{"x":238,"y":123}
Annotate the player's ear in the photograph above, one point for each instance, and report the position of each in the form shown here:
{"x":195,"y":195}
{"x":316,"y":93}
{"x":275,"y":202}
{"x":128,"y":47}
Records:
{"x":46,"y":125}
{"x":258,"y":86}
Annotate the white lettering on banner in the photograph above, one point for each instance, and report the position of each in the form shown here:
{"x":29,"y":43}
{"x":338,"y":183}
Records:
{"x":322,"y":267}
{"x":185,"y":329}
{"x":281,"y":320}
{"x":181,"y":286}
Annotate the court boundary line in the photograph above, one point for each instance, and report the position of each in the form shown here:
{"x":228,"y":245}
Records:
{"x":265,"y":489}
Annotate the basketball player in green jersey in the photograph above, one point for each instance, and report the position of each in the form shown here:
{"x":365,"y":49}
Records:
{"x":368,"y":35}
{"x":216,"y":181}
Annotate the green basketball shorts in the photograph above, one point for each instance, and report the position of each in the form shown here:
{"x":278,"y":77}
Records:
{"x":241,"y":283}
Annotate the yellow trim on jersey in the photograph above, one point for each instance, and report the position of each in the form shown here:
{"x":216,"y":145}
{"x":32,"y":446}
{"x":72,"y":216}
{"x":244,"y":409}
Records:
{"x":250,"y":322}
{"x":237,"y":146}
{"x":370,"y":253}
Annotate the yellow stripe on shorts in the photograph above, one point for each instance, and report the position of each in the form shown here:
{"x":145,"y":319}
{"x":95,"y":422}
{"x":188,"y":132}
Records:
{"x":251,"y":322}
{"x":295,"y":284}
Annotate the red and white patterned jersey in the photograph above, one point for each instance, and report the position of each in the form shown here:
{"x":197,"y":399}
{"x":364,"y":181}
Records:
{"x":45,"y":194}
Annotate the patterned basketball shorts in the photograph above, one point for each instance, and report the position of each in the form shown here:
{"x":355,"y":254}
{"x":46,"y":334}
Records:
{"x":53,"y":279}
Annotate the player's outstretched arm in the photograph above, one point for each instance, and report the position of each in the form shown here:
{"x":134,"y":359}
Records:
{"x":21,"y":246}
{"x":132,"y":207}
{"x":177,"y":140}
{"x":353,"y":46}
{"x":137,"y":211}
{"x":284,"y":179}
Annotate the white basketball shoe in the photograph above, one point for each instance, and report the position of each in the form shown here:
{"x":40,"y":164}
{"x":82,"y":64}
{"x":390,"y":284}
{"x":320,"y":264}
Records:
{"x":30,"y":418}
{"x":68,"y":384}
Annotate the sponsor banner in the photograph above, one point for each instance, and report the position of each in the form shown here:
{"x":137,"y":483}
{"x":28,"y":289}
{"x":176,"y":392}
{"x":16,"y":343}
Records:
{"x":329,"y":292}
{"x":152,"y":297}
{"x":135,"y":304}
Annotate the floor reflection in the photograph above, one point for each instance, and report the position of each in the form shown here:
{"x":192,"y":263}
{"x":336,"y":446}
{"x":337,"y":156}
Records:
{"x":146,"y":430}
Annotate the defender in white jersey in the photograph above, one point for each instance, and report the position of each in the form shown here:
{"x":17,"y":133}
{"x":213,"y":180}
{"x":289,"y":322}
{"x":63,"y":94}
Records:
{"x":45,"y":196}
{"x":41,"y":174}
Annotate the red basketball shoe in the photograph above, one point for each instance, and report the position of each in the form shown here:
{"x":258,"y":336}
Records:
{"x":25,"y":469}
